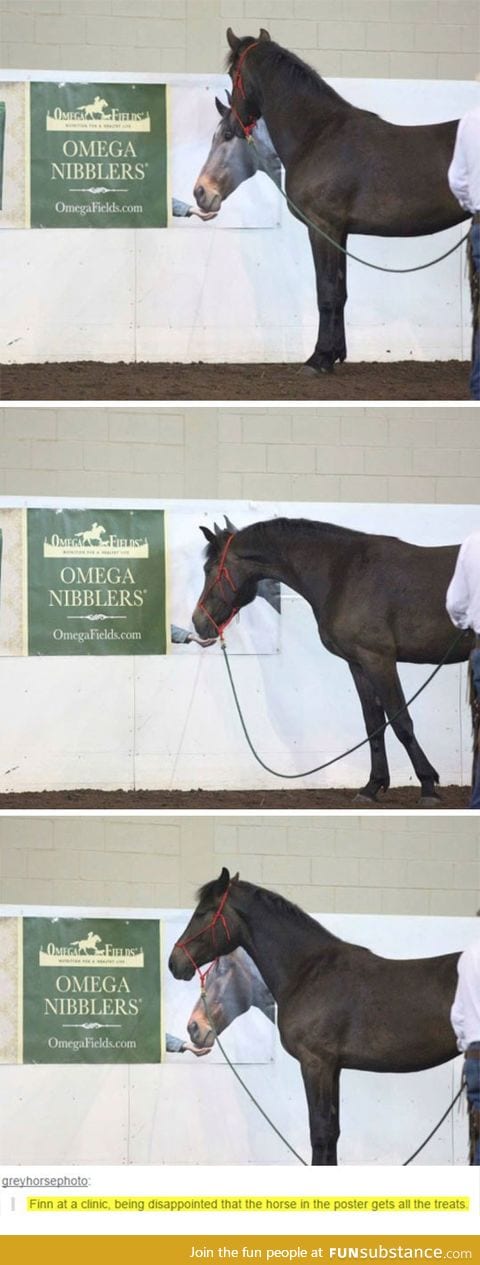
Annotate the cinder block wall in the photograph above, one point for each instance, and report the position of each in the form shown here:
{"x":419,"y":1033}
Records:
{"x":427,"y":39}
{"x":329,"y":454}
{"x":389,"y":865}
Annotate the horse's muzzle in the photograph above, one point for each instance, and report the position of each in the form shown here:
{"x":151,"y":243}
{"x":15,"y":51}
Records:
{"x":180,"y":966}
{"x":203,"y":1038}
{"x":204,"y":627}
{"x":207,"y":199}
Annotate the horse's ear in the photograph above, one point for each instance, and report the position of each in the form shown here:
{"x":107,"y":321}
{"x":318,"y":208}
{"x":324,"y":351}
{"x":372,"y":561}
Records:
{"x":218,"y":530}
{"x":209,"y":535}
{"x":224,"y":880}
{"x":228,"y":96}
{"x":264,"y":35}
{"x":232,"y":40}
{"x":236,"y":877}
{"x":222,"y":109}
{"x":228,"y":523}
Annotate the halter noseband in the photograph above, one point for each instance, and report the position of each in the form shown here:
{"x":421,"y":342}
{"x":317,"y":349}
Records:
{"x":238,"y":85}
{"x":222,"y":573}
{"x":218,"y":916}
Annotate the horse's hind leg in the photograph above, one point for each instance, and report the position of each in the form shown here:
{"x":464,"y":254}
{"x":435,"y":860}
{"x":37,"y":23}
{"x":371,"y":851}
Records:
{"x":374,"y":717}
{"x":385,"y":680}
{"x":330,"y":271}
{"x":321,"y":1080}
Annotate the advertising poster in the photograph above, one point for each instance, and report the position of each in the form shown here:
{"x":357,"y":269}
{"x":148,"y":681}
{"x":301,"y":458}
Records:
{"x":98,"y":155}
{"x":235,"y":993}
{"x":256,"y":630}
{"x":251,"y":175}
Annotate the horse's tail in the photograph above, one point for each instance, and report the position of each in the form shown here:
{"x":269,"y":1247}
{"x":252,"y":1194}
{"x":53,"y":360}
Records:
{"x":474,"y":278}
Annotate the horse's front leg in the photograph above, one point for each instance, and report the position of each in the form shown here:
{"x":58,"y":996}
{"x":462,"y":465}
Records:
{"x":331,"y":278}
{"x":321,"y":1080}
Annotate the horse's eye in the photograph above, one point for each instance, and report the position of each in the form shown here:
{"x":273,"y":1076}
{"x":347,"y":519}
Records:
{"x":228,"y":136}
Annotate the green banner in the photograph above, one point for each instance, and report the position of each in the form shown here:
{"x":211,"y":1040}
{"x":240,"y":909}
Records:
{"x":96,"y":581}
{"x":91,"y":990}
{"x":98,"y":155}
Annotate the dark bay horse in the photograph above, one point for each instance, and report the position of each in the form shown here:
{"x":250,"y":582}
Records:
{"x":347,"y":170}
{"x":339,"y":1005}
{"x":377,"y":601}
{"x":232,"y":986}
{"x":230,"y":162}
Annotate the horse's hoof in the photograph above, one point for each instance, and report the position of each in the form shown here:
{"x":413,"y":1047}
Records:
{"x":429,"y":801}
{"x":313,"y":371}
{"x":365,"y":799}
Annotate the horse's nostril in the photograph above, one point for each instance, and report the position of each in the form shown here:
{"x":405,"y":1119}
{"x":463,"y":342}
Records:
{"x":199,"y":191}
{"x":193,"y":1030}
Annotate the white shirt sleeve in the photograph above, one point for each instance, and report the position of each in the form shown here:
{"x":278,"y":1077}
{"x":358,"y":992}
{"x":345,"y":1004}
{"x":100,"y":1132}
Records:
{"x":458,"y":595}
{"x":458,"y":170}
{"x":457,"y":1020}
{"x":468,"y":988}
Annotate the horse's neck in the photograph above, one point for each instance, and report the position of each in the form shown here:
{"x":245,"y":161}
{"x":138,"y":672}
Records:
{"x":274,"y":555}
{"x":278,"y":940}
{"x":293,"y":116}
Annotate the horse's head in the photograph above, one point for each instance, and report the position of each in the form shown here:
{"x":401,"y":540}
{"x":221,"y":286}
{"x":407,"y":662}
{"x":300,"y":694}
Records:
{"x":229,"y":582}
{"x":246,"y":95}
{"x":229,"y":991}
{"x":230,"y":161}
{"x":213,"y":930}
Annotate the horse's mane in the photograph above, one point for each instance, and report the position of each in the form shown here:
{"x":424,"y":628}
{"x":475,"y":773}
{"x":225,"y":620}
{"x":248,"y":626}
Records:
{"x":283,"y":906}
{"x":296,"y":73}
{"x":273,"y":899}
{"x":285,"y":528}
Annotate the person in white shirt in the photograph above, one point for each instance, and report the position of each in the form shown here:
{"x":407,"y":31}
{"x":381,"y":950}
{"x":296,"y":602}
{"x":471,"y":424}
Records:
{"x":464,"y":181}
{"x":463,"y":606}
{"x":465,"y":1020}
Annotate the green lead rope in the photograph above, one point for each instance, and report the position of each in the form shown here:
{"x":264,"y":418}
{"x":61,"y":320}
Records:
{"x":335,"y":759}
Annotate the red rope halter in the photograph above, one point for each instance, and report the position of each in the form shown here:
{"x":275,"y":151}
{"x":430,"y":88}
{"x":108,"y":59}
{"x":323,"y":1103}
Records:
{"x":238,"y":85}
{"x":219,"y":916}
{"x":222,"y":573}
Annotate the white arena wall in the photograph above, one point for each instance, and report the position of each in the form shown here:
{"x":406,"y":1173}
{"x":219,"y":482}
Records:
{"x":169,"y":722}
{"x":162,"y":1114}
{"x":233,"y":295}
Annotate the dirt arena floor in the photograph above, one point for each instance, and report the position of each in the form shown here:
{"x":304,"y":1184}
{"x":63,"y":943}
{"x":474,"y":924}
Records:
{"x":401,"y":797}
{"x":91,"y":380}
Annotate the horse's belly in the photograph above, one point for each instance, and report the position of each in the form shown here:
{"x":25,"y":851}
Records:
{"x":400,"y":224}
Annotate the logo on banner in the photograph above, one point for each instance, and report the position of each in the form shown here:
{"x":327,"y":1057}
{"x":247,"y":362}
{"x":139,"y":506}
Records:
{"x":97,"y":116}
{"x":90,"y":950}
{"x":94,"y":539}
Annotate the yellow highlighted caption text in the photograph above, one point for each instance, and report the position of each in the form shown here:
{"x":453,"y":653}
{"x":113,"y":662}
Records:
{"x":250,"y":1203}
